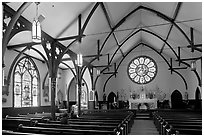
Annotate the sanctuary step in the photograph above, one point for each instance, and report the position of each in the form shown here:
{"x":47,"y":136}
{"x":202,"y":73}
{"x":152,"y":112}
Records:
{"x":142,"y":115}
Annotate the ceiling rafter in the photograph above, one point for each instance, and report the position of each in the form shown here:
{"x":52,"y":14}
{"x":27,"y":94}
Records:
{"x":178,"y":7}
{"x":109,"y":23}
{"x":30,"y":56}
{"x":159,"y":14}
{"x":10,"y":47}
{"x":186,"y":85}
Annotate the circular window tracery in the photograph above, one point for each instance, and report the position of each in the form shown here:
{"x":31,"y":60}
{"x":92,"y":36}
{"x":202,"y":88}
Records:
{"x":142,"y":69}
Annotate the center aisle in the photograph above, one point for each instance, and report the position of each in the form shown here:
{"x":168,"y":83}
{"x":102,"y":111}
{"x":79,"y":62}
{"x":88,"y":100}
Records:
{"x":143,"y":127}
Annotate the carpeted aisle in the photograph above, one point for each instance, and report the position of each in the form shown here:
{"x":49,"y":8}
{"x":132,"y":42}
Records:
{"x":143,"y":127}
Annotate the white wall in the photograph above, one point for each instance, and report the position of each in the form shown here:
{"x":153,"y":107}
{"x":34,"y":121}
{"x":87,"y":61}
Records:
{"x":8,"y":59}
{"x":164,"y":80}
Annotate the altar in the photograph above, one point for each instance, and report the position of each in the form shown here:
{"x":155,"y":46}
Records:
{"x":136,"y":103}
{"x":142,"y":99}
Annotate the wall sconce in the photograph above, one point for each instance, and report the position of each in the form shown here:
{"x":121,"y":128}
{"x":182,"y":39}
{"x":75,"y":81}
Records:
{"x":193,"y":65}
{"x":98,"y":72}
{"x":59,"y":75}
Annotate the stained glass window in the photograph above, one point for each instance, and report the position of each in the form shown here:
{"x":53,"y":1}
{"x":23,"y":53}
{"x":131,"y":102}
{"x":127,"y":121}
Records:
{"x":142,"y":69}
{"x":26,"y":87}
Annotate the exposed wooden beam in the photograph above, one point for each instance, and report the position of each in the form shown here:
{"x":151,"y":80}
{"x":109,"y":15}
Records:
{"x":198,"y":49}
{"x":192,"y":39}
{"x":179,"y":68}
{"x":21,"y":45}
{"x":196,"y":45}
{"x":30,"y":56}
{"x":197,"y":58}
{"x":69,"y":38}
{"x":98,"y":49}
{"x":179,"y":55}
{"x":90,"y":56}
{"x":102,"y":66}
{"x":79,"y":28}
{"x":171,"y":65}
{"x":174,"y":17}
{"x":108,"y":58}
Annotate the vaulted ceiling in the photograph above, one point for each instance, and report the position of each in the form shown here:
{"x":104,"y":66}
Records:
{"x":112,"y":23}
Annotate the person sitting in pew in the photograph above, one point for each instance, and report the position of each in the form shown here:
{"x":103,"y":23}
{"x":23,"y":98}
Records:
{"x":64,"y":118}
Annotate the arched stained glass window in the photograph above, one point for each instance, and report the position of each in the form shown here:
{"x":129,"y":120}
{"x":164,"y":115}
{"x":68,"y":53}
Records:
{"x":26,"y":87}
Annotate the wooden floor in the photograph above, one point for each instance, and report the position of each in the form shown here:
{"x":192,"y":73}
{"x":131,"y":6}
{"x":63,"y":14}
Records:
{"x":143,"y":127}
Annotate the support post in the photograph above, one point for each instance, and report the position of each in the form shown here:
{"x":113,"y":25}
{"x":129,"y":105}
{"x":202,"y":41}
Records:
{"x":171,"y":67}
{"x":98,"y":50}
{"x":115,"y":69}
{"x":53,"y":89}
{"x":79,"y":28}
{"x":192,"y":40}
{"x":179,"y":55}
{"x":79,"y":89}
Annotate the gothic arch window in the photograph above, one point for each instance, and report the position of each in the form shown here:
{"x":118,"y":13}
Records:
{"x":26,"y":83}
{"x":142,"y":69}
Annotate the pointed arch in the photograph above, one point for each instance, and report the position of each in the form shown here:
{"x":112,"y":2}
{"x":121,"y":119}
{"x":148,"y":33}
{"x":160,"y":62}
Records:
{"x":26,"y":83}
{"x":197,"y":94}
{"x":176,"y":100}
{"x":71,"y":92}
{"x":157,"y":53}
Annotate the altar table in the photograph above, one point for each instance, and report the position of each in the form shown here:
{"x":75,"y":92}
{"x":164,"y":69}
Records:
{"x":133,"y":103}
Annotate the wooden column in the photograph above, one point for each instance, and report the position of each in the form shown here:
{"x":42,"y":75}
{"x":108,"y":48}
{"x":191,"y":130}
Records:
{"x":79,"y":79}
{"x":53,"y":90}
{"x":68,"y":99}
{"x":91,"y":104}
{"x":53,"y":67}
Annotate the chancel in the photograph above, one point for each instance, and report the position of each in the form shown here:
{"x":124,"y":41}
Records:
{"x":102,"y":68}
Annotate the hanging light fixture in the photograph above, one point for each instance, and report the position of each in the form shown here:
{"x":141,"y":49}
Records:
{"x":36,"y":28}
{"x":193,"y":65}
{"x":79,"y":60}
{"x":79,"y":56}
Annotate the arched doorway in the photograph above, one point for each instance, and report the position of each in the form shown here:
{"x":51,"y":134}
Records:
{"x":111,"y":99}
{"x":176,"y":100}
{"x":198,"y":103}
{"x":197,"y":94}
{"x":73,"y":94}
{"x":96,"y":100}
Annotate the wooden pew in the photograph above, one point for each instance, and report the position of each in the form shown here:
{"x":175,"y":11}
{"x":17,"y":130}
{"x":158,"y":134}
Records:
{"x":127,"y":117}
{"x":188,"y":131}
{"x":120,"y":126}
{"x":74,"y":126}
{"x":8,"y":132}
{"x":183,"y":124}
{"x":39,"y":119}
{"x":12,"y":124}
{"x":61,"y":131}
{"x":113,"y":123}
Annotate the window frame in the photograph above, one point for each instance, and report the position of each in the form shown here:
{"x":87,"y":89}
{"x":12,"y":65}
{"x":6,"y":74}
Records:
{"x":137,"y":58}
{"x":37,"y":76}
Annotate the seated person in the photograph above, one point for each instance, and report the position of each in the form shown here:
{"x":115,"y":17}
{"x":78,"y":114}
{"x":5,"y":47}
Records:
{"x":64,"y":118}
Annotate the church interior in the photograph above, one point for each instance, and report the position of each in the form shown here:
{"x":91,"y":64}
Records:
{"x":102,"y":68}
